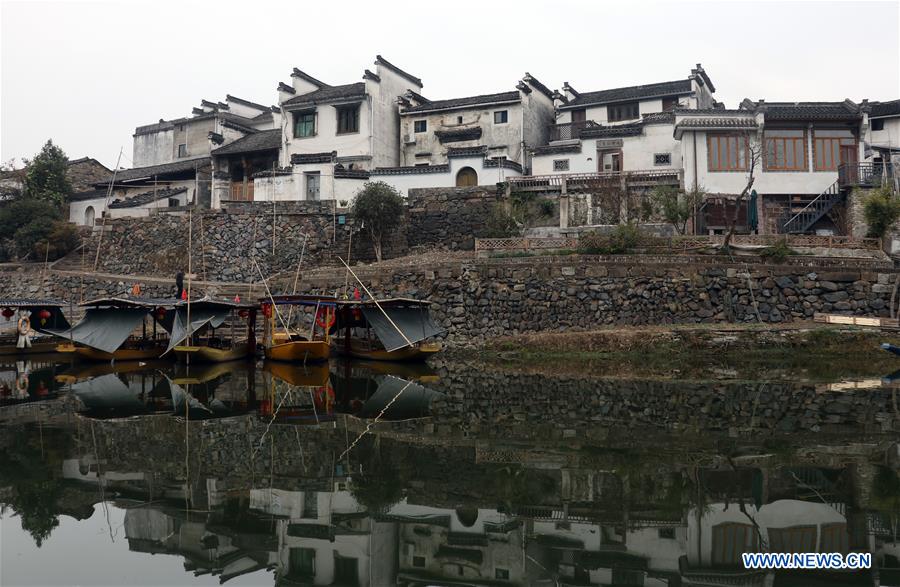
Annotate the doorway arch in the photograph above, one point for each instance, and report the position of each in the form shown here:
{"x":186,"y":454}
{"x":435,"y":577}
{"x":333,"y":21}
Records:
{"x":466,"y":177}
{"x":89,"y":216}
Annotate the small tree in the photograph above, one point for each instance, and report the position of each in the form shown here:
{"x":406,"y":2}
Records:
{"x":46,"y":178}
{"x":676,"y":206}
{"x":379,"y":208}
{"x":754,"y":154}
{"x":881,"y":210}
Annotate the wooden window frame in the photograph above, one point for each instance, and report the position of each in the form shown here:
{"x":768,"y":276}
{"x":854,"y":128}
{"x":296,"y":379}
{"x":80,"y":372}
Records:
{"x":342,"y":113}
{"x":742,"y":163}
{"x":416,"y":128}
{"x":818,"y":145}
{"x":621,"y":114}
{"x":296,"y":125}
{"x":772,"y":166}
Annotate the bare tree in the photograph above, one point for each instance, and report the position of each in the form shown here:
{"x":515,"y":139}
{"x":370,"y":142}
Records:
{"x":754,"y":152}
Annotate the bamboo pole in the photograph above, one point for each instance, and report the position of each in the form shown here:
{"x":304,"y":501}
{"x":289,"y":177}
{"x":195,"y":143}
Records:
{"x":408,"y":342}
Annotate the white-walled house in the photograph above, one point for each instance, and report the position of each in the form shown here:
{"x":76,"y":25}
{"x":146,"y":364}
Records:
{"x":801,"y":146}
{"x":884,"y":130}
{"x":505,"y":124}
{"x":621,"y":129}
{"x":333,"y":135}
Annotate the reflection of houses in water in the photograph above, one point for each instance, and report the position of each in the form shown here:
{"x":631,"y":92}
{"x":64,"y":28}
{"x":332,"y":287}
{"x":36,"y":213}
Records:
{"x":465,"y":546}
{"x":327,"y":538}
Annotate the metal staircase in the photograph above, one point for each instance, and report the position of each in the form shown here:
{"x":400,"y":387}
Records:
{"x":800,"y":220}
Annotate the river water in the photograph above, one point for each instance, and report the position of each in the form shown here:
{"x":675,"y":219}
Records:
{"x":462,"y":473}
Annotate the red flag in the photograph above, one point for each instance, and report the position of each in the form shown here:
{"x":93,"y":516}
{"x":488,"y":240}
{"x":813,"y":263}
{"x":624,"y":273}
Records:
{"x":184,"y":295}
{"x":356,"y":294}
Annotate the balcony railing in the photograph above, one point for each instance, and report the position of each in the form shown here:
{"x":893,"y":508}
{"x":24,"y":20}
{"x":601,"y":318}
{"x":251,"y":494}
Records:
{"x":864,"y":174}
{"x":570,"y":130}
{"x":242,"y":192}
{"x":588,"y":181}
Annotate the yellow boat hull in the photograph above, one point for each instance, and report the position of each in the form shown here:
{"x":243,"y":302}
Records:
{"x":299,"y":351}
{"x":359,"y":349}
{"x":207,"y":354}
{"x":36,"y":348}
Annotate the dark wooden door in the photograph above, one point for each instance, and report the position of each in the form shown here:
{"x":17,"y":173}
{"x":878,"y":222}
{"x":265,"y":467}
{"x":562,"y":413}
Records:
{"x":849,"y":158}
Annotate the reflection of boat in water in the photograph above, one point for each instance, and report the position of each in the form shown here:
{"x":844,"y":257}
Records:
{"x":394,"y":329}
{"x":289,"y":344}
{"x":82,"y":371}
{"x":107,"y":330}
{"x":203,"y":343}
{"x":34,"y":321}
{"x":418,"y":371}
{"x":366,"y":393}
{"x":307,"y":397}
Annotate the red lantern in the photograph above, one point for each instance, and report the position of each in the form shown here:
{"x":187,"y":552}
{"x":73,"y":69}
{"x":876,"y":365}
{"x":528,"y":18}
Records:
{"x":8,"y":313}
{"x":160,"y":313}
{"x":184,"y":295}
{"x":243,"y":313}
{"x":43,"y":315}
{"x":267,"y":310}
{"x":237,"y":298}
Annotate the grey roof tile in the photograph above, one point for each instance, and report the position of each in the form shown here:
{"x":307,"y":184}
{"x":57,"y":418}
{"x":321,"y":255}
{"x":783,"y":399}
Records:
{"x":672,"y":88}
{"x":327,"y":94}
{"x":264,"y":140}
{"x":456,"y":103}
{"x":159,"y":170}
{"x":147,"y":197}
{"x":891,"y":108}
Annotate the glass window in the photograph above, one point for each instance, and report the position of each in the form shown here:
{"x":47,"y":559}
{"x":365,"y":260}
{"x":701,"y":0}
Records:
{"x":304,"y":124}
{"x":786,"y":150}
{"x":827,"y":148}
{"x":348,"y":119}
{"x":420,"y":126}
{"x":618,"y":112}
{"x":501,"y":117}
{"x":726,"y":152}
{"x":878,"y":124}
{"x":182,"y":150}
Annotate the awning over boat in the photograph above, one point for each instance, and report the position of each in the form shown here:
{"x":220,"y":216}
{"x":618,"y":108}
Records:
{"x":413,"y":401}
{"x":108,"y":392}
{"x":415,"y":323}
{"x":200,"y":318}
{"x":104,"y":329}
{"x":56,"y":320}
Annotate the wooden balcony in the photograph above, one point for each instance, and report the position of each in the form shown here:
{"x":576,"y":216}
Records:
{"x":570,"y":130}
{"x":864,"y":174}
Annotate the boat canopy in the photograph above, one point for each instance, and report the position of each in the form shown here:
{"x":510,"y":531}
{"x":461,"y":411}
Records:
{"x":56,"y":321}
{"x":202,"y":315}
{"x":299,"y":300}
{"x":104,"y":329}
{"x":148,"y":303}
{"x":413,"y":321}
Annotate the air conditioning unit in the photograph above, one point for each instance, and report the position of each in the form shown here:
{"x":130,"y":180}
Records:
{"x":409,"y":139}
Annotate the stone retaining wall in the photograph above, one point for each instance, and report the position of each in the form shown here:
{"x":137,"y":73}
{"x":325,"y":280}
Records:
{"x":478,"y":299}
{"x":449,"y":218}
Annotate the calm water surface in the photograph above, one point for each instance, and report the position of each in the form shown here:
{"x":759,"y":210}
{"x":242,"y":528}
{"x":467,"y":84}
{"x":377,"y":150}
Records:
{"x":456,"y":474}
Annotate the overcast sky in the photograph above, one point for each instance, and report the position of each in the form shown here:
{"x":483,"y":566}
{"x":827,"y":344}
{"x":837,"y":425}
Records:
{"x":86,"y":73}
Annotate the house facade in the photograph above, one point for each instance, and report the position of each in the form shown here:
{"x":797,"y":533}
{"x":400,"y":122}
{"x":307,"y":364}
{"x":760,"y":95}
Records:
{"x":622,"y":129}
{"x":332,"y":136}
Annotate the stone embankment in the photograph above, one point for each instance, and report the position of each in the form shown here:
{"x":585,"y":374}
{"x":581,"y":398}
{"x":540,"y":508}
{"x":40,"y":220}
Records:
{"x":476,"y":299}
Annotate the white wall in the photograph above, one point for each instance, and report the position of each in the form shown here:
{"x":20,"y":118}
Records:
{"x":386,"y":124}
{"x":637,"y":153}
{"x":326,"y":138}
{"x":774,"y":182}
{"x":77,"y":208}
{"x":486,"y":175}
{"x":599,"y":113}
{"x":153,"y":148}
{"x":507,"y":136}
{"x":146,"y":209}
{"x":889,"y":136}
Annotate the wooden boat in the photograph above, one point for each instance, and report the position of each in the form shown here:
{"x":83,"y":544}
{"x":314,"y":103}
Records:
{"x":201,"y":342}
{"x":292,"y":346}
{"x":33,"y":317}
{"x":117,"y":329}
{"x":393,"y":329}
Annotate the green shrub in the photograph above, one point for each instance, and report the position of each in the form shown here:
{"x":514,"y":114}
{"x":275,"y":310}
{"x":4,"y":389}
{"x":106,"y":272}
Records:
{"x":28,"y":224}
{"x":547,"y":208}
{"x":881,"y":210}
{"x":622,"y":238}
{"x":500,"y":224}
{"x":778,"y":252}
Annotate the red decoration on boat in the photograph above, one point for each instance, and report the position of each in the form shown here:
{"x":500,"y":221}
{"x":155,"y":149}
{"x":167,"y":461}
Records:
{"x":44,"y":314}
{"x":237,"y":298}
{"x":356,"y":294}
{"x":159,"y":313}
{"x":267,"y":310}
{"x":8,"y":313}
{"x":184,"y":295}
{"x":244,"y":313}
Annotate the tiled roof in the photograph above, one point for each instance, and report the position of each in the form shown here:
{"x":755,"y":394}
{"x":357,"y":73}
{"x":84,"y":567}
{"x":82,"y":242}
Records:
{"x":459,"y":134}
{"x":466,"y":151}
{"x":809,"y":111}
{"x":672,"y":88}
{"x":630,"y":129}
{"x":558,"y":149}
{"x":89,"y":195}
{"x":456,"y":103}
{"x":147,"y":197}
{"x":708,"y":121}
{"x":502,"y":162}
{"x":411,"y":170}
{"x":659,"y":118}
{"x":538,"y":85}
{"x":87,"y":160}
{"x":382,"y":61}
{"x":328,"y":94}
{"x":264,"y":140}
{"x":891,"y":108}
{"x":344,"y":173}
{"x":301,"y":158}
{"x":231,"y":98}
{"x":160,"y":170}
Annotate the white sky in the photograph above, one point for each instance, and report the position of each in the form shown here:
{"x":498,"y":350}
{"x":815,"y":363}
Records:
{"x":87,"y":73}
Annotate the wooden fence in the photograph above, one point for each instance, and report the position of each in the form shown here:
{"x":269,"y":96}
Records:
{"x":524,"y":244}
